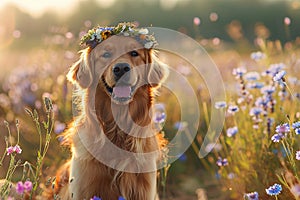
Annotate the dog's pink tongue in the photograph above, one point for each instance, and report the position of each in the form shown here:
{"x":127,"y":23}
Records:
{"x":122,"y":91}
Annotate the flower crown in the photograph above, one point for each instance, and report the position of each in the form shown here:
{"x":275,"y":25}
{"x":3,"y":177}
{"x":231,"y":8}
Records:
{"x":98,"y":34}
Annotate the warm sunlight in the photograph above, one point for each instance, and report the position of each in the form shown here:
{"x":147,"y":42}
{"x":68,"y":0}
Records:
{"x":37,"y":8}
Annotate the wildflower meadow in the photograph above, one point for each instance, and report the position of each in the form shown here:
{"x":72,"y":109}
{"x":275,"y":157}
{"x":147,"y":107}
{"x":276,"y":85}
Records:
{"x":256,"y":154}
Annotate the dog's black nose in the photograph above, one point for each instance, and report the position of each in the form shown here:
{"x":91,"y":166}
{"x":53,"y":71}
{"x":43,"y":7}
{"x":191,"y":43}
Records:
{"x":120,"y":69}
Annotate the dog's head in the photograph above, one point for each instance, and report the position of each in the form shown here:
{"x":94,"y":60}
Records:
{"x":119,"y":65}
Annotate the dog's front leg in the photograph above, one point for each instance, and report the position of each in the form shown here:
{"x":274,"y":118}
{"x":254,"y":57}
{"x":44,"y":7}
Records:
{"x":74,"y":182}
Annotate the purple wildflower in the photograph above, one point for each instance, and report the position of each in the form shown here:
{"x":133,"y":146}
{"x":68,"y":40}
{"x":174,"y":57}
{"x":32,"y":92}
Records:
{"x":251,"y":196}
{"x":20,"y":187}
{"x":17,"y":149}
{"x":95,"y":198}
{"x":59,"y":127}
{"x":283,"y":128}
{"x":14,"y":149}
{"x":222,"y":162}
{"x":121,"y":198}
{"x":27,"y":186}
{"x":274,"y":189}
{"x":298,"y":155}
{"x":295,"y":189}
{"x":10,"y":150}
{"x":159,"y":117}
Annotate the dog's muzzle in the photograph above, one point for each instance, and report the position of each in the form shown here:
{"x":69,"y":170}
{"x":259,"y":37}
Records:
{"x":122,"y":91}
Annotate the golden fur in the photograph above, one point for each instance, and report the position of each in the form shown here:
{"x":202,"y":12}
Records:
{"x":84,"y":176}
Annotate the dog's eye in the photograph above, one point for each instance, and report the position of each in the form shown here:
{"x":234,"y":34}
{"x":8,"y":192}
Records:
{"x":106,"y":55}
{"x":134,"y":53}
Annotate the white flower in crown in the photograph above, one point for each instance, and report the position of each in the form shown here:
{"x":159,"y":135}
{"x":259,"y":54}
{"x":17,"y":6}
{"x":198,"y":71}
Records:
{"x":148,"y":45}
{"x":123,"y":28}
{"x":143,"y":31}
{"x":98,"y":33}
{"x":92,"y":37}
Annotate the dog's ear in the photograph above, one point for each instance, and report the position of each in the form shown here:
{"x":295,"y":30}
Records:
{"x":158,"y":71}
{"x":80,"y":72}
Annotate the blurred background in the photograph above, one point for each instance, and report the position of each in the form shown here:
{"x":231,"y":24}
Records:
{"x":39,"y":40}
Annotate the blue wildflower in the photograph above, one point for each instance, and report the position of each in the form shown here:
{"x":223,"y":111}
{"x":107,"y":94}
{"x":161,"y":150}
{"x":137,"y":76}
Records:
{"x":255,"y":85}
{"x":257,"y":55}
{"x":252,"y":76}
{"x":279,"y":76}
{"x":274,"y":189}
{"x":220,"y":104}
{"x":296,"y":125}
{"x":297,"y":131}
{"x":274,"y":69}
{"x":222,"y":162}
{"x":251,"y":196}
{"x":283,"y":128}
{"x":277,"y":137}
{"x":121,"y":198}
{"x":255,"y":111}
{"x":232,"y":131}
{"x":239,"y":72}
{"x":268,"y":89}
{"x":233,"y":109}
{"x":182,"y":157}
{"x":260,"y":101}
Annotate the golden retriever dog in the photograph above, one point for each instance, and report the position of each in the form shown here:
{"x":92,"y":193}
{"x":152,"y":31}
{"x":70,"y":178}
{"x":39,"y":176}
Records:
{"x":115,"y":148}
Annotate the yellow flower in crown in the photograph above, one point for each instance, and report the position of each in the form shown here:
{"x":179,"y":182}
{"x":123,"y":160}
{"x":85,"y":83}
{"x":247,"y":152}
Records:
{"x":105,"y":34}
{"x":96,"y":35}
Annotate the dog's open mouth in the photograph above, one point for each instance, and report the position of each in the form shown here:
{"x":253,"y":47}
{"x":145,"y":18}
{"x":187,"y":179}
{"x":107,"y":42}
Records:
{"x":120,"y":93}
